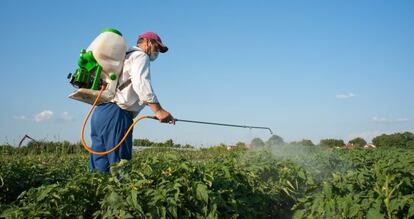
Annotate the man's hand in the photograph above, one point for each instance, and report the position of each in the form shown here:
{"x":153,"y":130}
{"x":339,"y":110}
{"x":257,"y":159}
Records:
{"x":164,"y":116}
{"x":161,"y":114}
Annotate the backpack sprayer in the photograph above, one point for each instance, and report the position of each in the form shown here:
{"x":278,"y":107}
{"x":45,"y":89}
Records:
{"x":96,"y":80}
{"x":99,"y":66}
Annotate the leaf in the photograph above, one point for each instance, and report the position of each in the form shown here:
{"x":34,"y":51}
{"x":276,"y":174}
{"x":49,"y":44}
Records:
{"x":353,"y":211}
{"x":162,"y":211}
{"x":410,"y":211}
{"x":394,"y":205}
{"x":213,"y":212}
{"x":327,"y":190}
{"x":374,"y":213}
{"x":44,"y":193}
{"x":298,"y":214}
{"x":114,"y":198}
{"x":134,"y":201}
{"x":290,"y":184}
{"x":173,"y":211}
{"x":201,"y":192}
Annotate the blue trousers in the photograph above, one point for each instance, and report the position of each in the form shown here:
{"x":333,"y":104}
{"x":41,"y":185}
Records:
{"x":109,"y":124}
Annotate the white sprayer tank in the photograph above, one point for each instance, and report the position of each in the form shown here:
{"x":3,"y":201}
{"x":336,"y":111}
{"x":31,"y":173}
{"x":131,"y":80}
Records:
{"x":108,"y":49}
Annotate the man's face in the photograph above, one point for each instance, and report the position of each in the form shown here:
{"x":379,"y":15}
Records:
{"x":152,"y":47}
{"x":153,"y":50}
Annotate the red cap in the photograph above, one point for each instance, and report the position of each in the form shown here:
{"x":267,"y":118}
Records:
{"x":154,"y":36}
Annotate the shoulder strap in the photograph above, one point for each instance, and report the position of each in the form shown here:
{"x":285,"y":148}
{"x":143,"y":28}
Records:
{"x":124,"y":85}
{"x":127,"y":82}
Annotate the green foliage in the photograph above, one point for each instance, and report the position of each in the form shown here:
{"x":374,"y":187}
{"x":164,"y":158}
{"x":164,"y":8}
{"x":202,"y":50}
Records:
{"x":215,"y":182}
{"x":358,"y":142}
{"x":170,"y":184}
{"x":44,"y":147}
{"x":402,"y":140}
{"x":20,"y":173}
{"x":142,"y":142}
{"x":380,"y":184}
{"x":257,"y":143}
{"x":332,"y":142}
{"x":274,"y":140}
{"x":304,"y":142}
{"x":169,"y":143}
{"x":241,"y":146}
{"x":410,"y":144}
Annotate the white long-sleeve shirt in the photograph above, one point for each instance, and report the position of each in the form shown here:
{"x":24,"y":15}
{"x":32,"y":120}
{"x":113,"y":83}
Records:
{"x":137,"y":69}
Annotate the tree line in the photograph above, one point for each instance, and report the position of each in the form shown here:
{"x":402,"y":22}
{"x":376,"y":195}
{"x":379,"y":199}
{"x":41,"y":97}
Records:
{"x":401,"y":140}
{"x":168,"y":143}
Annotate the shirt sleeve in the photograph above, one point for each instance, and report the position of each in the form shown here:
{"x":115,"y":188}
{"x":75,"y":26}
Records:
{"x":141,"y":79}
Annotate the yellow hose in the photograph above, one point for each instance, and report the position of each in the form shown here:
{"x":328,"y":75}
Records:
{"x":122,"y":140}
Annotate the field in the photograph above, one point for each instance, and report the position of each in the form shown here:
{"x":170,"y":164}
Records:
{"x":210,"y":183}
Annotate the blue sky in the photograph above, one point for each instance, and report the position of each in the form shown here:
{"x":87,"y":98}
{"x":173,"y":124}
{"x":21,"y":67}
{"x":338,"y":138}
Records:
{"x":307,"y":69}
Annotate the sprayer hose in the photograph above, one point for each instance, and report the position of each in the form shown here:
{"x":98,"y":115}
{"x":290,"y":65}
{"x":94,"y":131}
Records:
{"x":123,"y":138}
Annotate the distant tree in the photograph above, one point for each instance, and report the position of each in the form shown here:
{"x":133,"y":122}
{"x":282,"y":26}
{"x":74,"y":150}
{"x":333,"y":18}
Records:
{"x":274,"y":140}
{"x":220,"y":147}
{"x":142,"y":142}
{"x":332,"y":142}
{"x":394,"y":140}
{"x":358,"y":142}
{"x":169,"y":143}
{"x":257,"y":143}
{"x":187,"y":146}
{"x":410,"y":144}
{"x":241,"y":145}
{"x":306,"y":142}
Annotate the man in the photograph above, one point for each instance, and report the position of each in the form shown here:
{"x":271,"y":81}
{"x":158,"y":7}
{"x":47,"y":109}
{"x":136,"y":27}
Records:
{"x":110,"y":121}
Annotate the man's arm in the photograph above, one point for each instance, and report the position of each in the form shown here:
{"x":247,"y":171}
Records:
{"x":141,"y":83}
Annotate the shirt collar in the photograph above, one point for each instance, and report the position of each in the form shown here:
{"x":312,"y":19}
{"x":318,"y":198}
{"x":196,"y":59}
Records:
{"x":134,"y":48}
